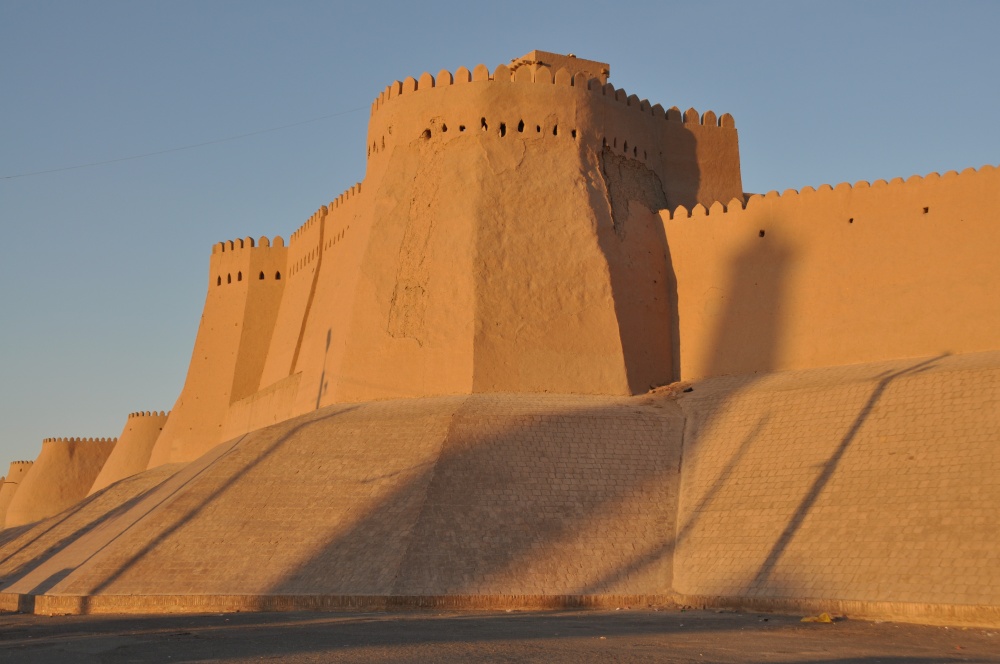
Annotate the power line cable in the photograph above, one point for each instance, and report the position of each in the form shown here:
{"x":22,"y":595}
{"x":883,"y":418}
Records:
{"x":185,"y":147}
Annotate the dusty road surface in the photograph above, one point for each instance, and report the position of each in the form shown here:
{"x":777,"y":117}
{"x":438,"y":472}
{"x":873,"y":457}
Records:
{"x":567,"y":636}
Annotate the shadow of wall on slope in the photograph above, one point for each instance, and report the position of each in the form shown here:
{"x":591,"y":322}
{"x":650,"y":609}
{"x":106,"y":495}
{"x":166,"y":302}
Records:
{"x":516,"y":503}
{"x":632,"y":238}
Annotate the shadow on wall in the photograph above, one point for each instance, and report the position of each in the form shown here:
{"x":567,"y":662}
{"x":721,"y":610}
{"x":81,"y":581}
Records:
{"x":321,"y":388}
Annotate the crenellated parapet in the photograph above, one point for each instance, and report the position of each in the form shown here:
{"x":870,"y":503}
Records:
{"x":827,"y":194}
{"x":314,"y":220}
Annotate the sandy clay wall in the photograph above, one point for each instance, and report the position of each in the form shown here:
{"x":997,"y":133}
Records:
{"x":839,"y":275}
{"x":131,"y":453}
{"x":868,"y":490}
{"x":512,"y":497}
{"x":60,"y":477}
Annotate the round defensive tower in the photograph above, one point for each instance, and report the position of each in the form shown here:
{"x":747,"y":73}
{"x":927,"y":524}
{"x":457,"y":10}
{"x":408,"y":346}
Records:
{"x":60,"y":477}
{"x":11,"y":483}
{"x":131,"y":454}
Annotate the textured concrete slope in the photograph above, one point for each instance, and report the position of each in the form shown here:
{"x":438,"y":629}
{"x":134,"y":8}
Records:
{"x":876,"y":482}
{"x":131,"y":453}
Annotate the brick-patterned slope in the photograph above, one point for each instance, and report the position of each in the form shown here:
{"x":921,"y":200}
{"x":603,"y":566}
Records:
{"x":875,"y":482}
{"x":870,"y":489}
{"x":488,"y":494}
{"x":35,"y":557}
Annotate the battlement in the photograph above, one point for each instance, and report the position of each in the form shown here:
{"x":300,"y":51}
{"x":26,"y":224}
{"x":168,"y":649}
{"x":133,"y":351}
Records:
{"x":699,"y":211}
{"x":79,"y":440}
{"x":557,"y":61}
{"x":21,"y":463}
{"x":544,"y":76}
{"x":148,"y":413}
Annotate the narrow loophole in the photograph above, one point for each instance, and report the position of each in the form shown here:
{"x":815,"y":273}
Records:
{"x":426,"y":133}
{"x":277,"y":276}
{"x":538,"y":129}
{"x":573,"y":133}
{"x":218,"y":282}
{"x":520,"y":127}
{"x":444,"y":128}
{"x":555,"y":130}
{"x":926,"y":210}
{"x":503,"y":129}
{"x":851,"y":220}
{"x":482,"y":123}
{"x":461,"y":127}
{"x":261,"y":276}
{"x":761,"y":233}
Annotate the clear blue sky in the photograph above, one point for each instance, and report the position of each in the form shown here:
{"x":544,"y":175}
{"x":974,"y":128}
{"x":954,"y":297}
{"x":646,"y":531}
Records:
{"x":103,"y":270}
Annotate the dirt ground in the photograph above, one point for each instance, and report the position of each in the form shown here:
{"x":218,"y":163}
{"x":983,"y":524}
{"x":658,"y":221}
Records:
{"x":566,"y":636}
